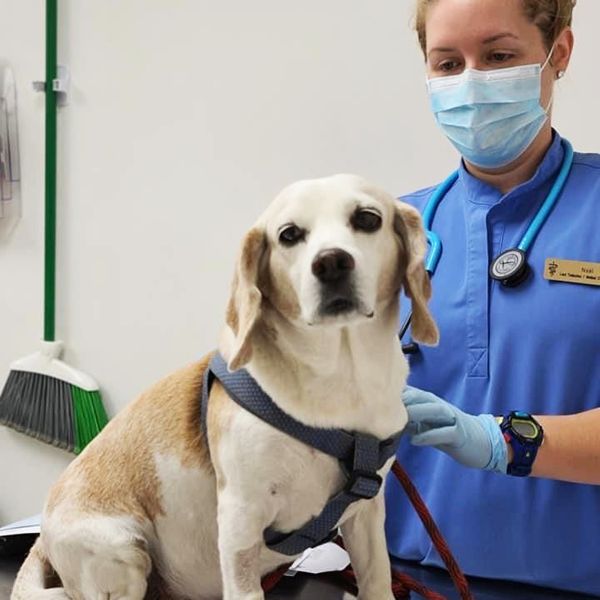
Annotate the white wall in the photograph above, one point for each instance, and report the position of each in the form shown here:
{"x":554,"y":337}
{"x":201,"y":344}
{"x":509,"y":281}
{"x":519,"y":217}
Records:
{"x":185,"y":118}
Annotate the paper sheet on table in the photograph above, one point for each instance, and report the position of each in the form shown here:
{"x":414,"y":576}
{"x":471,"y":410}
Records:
{"x":322,"y":559}
{"x":30,"y":525}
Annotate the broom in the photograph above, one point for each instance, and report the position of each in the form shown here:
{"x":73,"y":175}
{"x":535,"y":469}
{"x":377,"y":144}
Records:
{"x":44,"y":397}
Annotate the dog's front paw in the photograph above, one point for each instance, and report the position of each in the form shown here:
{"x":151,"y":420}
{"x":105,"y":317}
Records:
{"x":376,"y":595}
{"x":250,"y":596}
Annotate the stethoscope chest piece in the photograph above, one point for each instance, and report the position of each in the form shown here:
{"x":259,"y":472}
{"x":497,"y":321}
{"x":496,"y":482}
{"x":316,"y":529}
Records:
{"x":510,"y":268}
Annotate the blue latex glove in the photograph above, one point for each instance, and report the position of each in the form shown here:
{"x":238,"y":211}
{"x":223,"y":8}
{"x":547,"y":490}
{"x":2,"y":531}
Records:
{"x":474,"y":441}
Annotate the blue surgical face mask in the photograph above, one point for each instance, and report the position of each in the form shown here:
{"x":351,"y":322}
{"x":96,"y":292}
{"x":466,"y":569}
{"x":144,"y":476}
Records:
{"x":491,"y":117}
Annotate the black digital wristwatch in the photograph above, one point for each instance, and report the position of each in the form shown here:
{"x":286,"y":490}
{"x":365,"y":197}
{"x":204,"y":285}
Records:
{"x":525,"y":435}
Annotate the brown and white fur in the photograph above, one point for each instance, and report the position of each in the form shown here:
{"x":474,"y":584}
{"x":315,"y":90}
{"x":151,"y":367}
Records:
{"x":146,"y":512}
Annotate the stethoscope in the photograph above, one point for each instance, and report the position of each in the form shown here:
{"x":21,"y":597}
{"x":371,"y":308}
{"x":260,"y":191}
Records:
{"x":509,"y":268}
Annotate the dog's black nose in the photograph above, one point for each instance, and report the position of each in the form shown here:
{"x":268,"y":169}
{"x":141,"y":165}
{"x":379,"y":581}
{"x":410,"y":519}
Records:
{"x":332,"y":265}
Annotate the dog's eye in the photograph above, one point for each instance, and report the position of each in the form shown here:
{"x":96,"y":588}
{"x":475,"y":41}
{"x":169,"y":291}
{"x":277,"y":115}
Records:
{"x":291,"y":234}
{"x":366,"y":220}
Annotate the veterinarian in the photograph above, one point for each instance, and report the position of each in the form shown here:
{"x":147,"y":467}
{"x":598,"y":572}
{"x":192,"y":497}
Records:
{"x":518,"y":315}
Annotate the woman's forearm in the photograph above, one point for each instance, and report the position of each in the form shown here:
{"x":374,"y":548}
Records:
{"x":571,"y":448}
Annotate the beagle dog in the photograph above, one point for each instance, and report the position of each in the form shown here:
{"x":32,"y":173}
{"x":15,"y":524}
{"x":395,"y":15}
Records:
{"x":145,"y":511}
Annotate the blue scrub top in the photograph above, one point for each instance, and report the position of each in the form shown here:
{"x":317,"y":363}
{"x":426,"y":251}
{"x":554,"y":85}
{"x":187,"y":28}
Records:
{"x":534,"y":348}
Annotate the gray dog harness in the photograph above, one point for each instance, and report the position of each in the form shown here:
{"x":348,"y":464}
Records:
{"x":360,"y":455}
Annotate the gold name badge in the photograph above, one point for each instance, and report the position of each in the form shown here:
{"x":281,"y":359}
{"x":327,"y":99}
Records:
{"x":572,"y":271}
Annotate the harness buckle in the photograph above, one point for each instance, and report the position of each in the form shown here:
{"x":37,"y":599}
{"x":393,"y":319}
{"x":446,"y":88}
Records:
{"x":363,"y":484}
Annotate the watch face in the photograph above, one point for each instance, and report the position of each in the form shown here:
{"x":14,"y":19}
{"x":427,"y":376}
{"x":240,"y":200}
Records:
{"x":525,"y":428}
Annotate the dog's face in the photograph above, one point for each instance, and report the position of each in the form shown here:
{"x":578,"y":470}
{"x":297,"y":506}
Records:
{"x":333,"y":251}
{"x":329,"y":252}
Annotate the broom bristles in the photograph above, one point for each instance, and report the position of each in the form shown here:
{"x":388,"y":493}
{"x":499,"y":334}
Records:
{"x":51,"y":410}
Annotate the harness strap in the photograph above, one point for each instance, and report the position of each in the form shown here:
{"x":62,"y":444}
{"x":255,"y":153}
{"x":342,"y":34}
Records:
{"x":360,"y":455}
{"x":363,"y":483}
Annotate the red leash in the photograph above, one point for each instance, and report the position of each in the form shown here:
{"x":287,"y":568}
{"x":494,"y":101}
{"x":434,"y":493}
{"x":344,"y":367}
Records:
{"x":402,"y":585}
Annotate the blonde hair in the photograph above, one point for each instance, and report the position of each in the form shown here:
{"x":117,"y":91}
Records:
{"x":550,"y":16}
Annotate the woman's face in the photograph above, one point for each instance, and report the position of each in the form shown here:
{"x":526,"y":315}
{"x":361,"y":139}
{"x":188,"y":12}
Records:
{"x":488,"y":34}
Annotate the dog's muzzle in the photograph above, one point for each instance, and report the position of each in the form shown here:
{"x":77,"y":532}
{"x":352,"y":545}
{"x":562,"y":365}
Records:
{"x":334,"y":268}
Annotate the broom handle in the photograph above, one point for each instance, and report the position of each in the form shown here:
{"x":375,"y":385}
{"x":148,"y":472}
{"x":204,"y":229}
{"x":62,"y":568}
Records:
{"x":50,"y":174}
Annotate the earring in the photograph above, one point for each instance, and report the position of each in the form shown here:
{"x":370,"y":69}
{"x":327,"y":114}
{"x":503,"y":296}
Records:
{"x":560,"y":75}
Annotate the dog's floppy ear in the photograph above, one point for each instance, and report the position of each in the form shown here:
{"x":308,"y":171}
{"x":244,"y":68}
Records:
{"x":409,"y":228}
{"x":244,"y":304}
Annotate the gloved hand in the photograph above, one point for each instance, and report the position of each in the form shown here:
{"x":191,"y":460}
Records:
{"x":474,"y":441}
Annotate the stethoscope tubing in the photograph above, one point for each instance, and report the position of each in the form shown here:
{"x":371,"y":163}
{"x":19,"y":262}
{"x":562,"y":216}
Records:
{"x":555,"y":192}
{"x":435,"y":243}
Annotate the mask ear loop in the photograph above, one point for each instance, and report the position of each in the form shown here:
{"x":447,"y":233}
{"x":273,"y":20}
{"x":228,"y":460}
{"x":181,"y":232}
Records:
{"x":547,"y":109}
{"x":549,"y":57}
{"x":558,"y":75}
